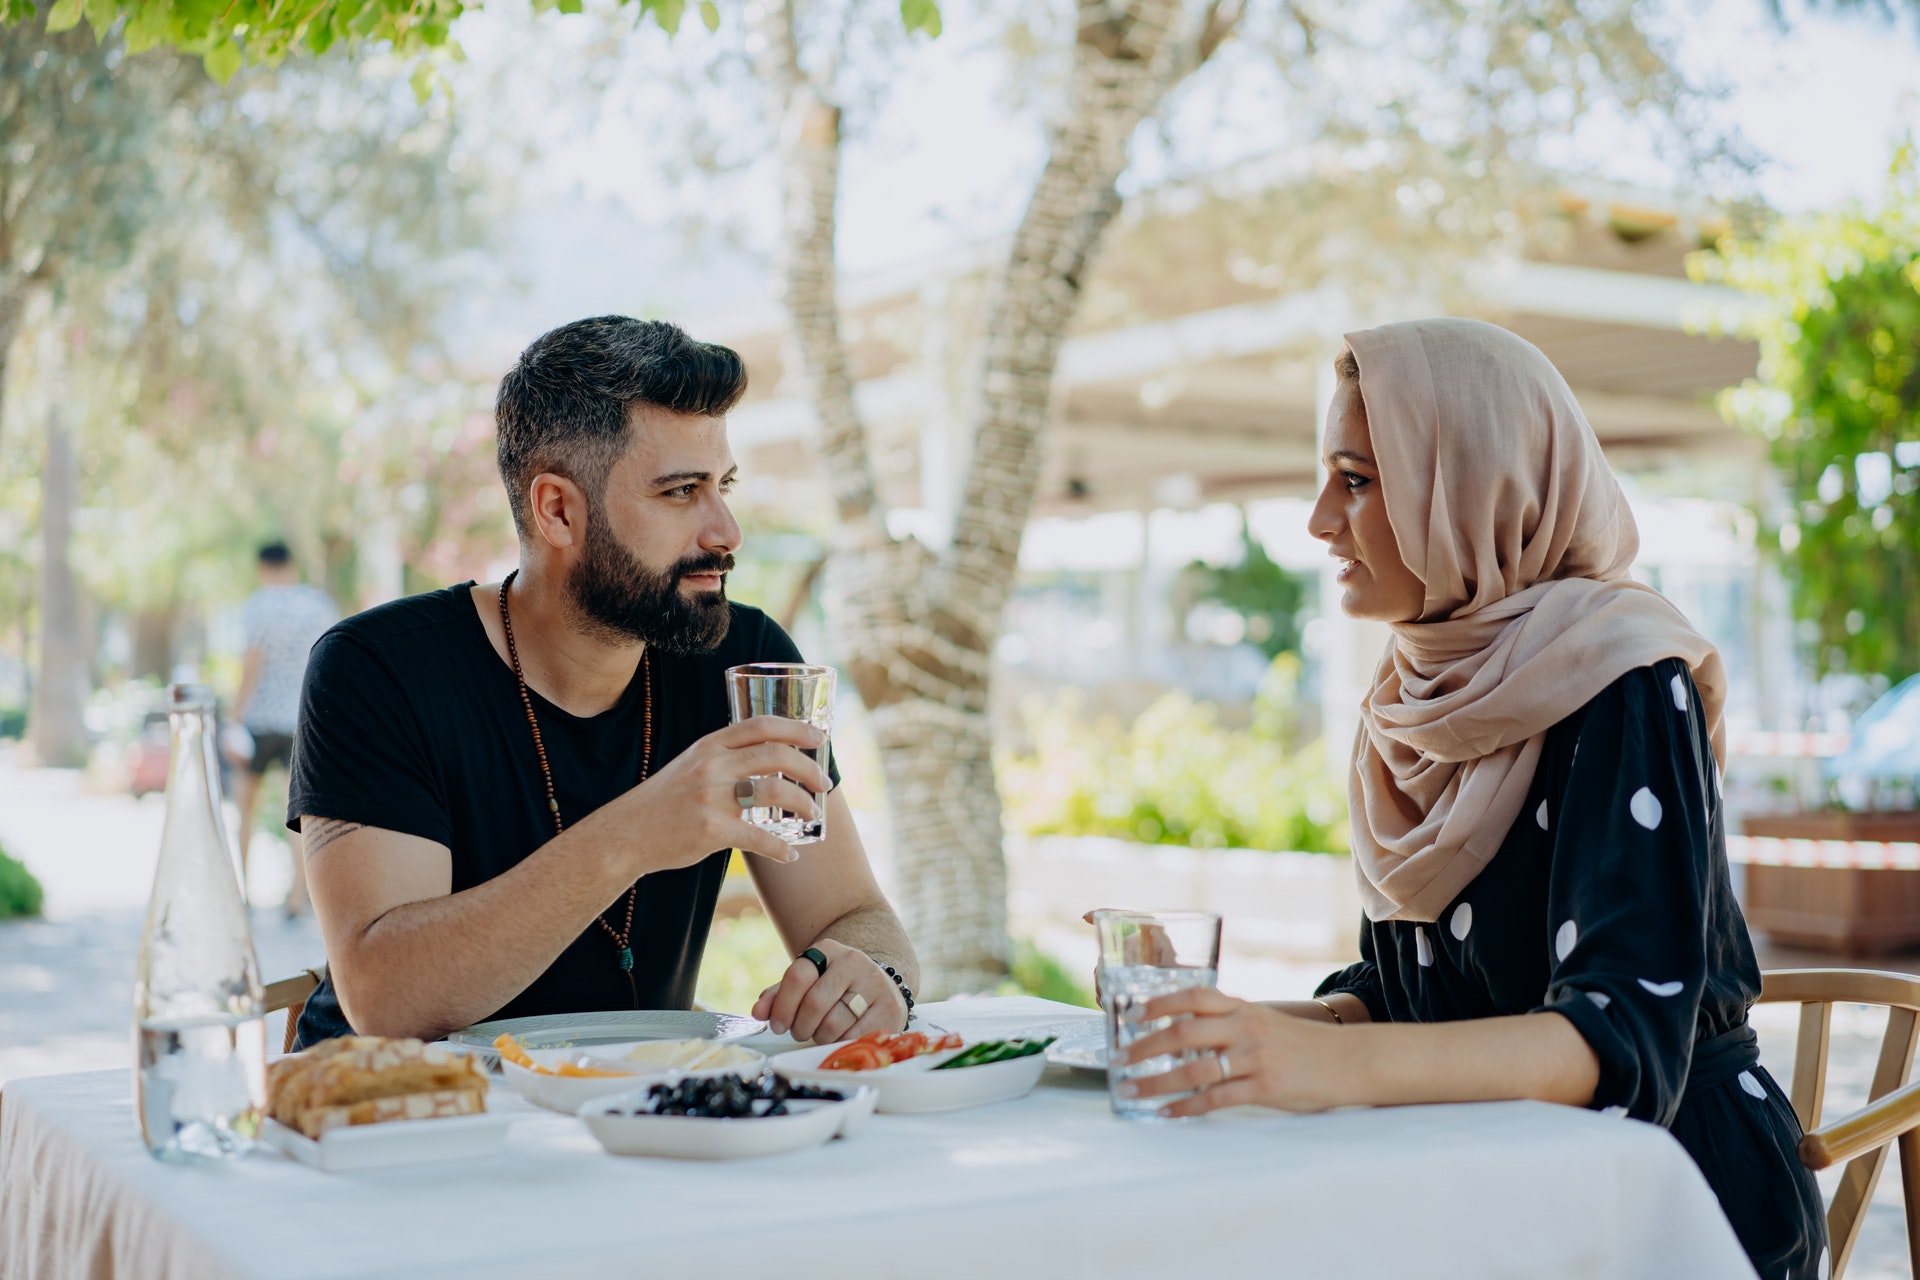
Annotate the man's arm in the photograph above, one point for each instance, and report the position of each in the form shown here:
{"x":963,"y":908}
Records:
{"x":411,"y":958}
{"x":827,"y":898}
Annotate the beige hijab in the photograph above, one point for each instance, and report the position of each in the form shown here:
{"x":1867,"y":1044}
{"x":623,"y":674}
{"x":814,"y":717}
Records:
{"x":1503,"y":506}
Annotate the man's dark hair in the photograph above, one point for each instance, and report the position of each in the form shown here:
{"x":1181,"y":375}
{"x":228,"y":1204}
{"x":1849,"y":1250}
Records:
{"x":276,"y":554}
{"x":563,"y":406}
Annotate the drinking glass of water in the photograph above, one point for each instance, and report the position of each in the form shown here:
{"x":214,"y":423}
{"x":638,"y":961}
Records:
{"x":1145,"y":955}
{"x":797,"y":691}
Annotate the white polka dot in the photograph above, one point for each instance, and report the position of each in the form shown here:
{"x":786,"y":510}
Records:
{"x":1540,"y":815}
{"x":1615,"y":1112}
{"x":1823,"y":1262}
{"x":1717,"y":792}
{"x":1422,"y":949}
{"x":1751,"y":1085}
{"x":1600,"y":999}
{"x":1462,"y":922}
{"x":1645,"y":807}
{"x":1563,"y":941}
{"x":1663,"y":989}
{"x":1680,"y":693}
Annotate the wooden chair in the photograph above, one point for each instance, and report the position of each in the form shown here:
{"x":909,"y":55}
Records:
{"x":291,"y":994}
{"x":1892,"y":1113}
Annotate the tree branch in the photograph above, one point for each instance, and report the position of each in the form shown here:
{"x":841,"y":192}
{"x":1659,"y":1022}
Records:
{"x":809,"y":127}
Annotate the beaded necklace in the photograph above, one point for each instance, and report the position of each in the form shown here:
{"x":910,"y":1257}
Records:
{"x":623,"y":937}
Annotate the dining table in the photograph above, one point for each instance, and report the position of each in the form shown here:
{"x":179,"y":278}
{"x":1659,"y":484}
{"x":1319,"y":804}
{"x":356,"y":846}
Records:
{"x":1051,"y":1184}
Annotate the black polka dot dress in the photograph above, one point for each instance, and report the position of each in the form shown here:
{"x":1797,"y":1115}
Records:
{"x":1609,"y":902}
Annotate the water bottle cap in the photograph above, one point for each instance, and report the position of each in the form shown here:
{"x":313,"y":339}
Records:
{"x":190,"y":697}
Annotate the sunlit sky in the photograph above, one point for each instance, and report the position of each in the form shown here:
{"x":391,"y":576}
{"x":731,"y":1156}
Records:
{"x":948,"y":162}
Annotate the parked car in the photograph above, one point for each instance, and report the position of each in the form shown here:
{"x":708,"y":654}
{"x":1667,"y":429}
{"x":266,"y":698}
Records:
{"x":147,"y":757}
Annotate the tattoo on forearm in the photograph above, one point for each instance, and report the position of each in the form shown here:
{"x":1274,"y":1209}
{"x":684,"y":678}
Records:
{"x":317,"y":833}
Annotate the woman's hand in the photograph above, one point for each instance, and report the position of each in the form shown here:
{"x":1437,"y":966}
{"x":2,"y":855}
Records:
{"x":1249,"y":1054}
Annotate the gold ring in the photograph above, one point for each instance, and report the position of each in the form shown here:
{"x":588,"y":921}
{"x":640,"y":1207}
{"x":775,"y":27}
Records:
{"x":856,"y":1002}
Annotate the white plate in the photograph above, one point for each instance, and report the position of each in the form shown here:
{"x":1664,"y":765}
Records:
{"x":696,"y":1138}
{"x":567,"y":1093}
{"x":590,"y":1030}
{"x":913,"y":1086}
{"x":350,"y":1148}
{"x":1081,"y":1051}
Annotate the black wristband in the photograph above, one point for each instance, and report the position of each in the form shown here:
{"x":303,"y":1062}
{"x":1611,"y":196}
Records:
{"x":906,"y":992}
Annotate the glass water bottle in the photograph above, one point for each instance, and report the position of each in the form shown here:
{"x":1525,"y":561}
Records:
{"x":199,"y":1080}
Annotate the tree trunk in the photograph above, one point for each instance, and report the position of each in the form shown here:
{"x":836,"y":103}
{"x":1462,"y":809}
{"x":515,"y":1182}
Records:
{"x":152,"y":649}
{"x":13,"y":309}
{"x":56,"y":724}
{"x":916,"y":630}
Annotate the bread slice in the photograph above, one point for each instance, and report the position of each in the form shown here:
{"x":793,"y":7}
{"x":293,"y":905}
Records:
{"x":341,"y":1074}
{"x":315,"y":1121}
{"x":389,"y":1069}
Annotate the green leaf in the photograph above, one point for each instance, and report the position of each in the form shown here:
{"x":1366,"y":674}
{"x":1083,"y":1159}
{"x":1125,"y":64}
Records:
{"x":710,"y":14}
{"x":569,"y":6}
{"x":921,"y":15}
{"x":101,"y":15}
{"x":65,"y":15}
{"x":422,"y":82}
{"x":668,"y":14}
{"x":147,"y":28}
{"x":223,"y":60}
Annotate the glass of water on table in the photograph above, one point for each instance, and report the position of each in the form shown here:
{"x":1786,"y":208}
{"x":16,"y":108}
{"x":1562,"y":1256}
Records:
{"x":1145,"y":955}
{"x":797,"y":691}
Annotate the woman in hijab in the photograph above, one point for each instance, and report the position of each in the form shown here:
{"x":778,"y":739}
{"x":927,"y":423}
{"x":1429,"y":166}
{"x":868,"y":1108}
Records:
{"x":1535,"y":800}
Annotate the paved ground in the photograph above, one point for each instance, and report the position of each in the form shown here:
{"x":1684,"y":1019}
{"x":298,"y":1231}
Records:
{"x":65,"y":981}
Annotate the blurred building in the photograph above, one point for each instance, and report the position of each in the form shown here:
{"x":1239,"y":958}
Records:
{"x":1193,"y":416}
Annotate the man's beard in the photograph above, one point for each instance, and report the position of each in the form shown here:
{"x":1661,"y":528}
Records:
{"x":619,"y":597}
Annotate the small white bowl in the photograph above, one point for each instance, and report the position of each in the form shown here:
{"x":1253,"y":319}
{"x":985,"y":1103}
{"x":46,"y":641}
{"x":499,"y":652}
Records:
{"x":567,"y":1094}
{"x":913,"y":1086}
{"x":702,"y":1138}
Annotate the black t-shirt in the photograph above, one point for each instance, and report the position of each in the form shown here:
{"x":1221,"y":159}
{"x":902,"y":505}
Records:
{"x":410,"y":721}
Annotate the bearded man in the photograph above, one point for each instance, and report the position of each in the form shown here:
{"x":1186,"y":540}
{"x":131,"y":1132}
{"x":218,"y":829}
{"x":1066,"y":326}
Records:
{"x":521,"y":798}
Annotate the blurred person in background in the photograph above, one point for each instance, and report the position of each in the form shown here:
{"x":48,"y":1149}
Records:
{"x":282,"y":620}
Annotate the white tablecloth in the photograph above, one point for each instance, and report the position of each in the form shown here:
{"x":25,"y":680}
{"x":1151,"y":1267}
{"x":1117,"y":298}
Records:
{"x":1049,"y":1185}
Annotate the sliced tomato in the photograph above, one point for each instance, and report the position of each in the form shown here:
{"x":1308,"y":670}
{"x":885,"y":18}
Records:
{"x":856,"y":1057}
{"x":904,"y":1045}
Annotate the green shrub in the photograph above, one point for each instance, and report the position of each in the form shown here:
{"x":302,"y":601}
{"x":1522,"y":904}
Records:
{"x":20,"y":893}
{"x":1035,"y":973}
{"x":744,"y":957}
{"x":1178,"y":776}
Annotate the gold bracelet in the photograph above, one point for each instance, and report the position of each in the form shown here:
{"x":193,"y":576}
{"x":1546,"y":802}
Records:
{"x":1338,"y":1020}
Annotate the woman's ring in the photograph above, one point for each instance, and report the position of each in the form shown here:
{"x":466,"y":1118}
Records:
{"x":743,"y":792}
{"x":856,"y":1002}
{"x":1226,"y":1071}
{"x":817,"y":956}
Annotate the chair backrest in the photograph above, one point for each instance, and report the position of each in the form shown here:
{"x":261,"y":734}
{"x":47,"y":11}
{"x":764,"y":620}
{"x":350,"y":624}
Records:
{"x":1816,"y":991}
{"x":291,"y":994}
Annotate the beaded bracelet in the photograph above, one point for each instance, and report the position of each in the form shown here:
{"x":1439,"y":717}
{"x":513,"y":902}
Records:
{"x":906,"y":992}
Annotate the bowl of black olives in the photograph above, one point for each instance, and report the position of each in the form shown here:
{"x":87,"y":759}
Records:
{"x":725,"y":1117}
